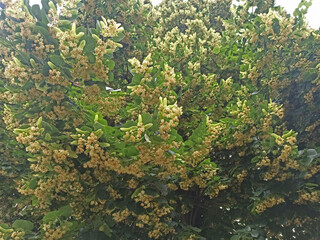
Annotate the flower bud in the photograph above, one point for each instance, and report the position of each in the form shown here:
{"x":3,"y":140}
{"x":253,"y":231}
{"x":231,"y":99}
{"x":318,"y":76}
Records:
{"x":139,"y":120}
{"x":96,"y":117}
{"x":147,"y":126}
{"x":33,"y":63}
{"x":17,"y":61}
{"x":129,"y":129}
{"x":104,"y":20}
{"x":79,"y":35}
{"x":74,"y":136}
{"x":32,"y":159}
{"x":52,"y":6}
{"x":109,"y":51}
{"x":165,"y":101}
{"x":47,"y":137}
{"x":82,"y":44}
{"x":98,"y":133}
{"x":81,"y":131}
{"x":18,"y":130}
{"x":74,"y":28}
{"x":57,"y":29}
{"x":104,"y":144}
{"x":95,"y":37}
{"x":51,"y":65}
{"x":39,"y":122}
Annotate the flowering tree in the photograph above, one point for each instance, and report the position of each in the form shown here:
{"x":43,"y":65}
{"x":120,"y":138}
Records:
{"x":191,"y":120}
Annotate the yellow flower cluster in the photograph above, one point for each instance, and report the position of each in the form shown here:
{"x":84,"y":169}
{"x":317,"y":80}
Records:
{"x":268,"y":203}
{"x":96,"y":153}
{"x":56,"y":78}
{"x":309,"y":96}
{"x":160,"y":229}
{"x":57,"y":95}
{"x":278,"y":167}
{"x":215,"y":191}
{"x":169,"y":117}
{"x":182,"y":46}
{"x":109,"y":105}
{"x":241,"y":176}
{"x":65,"y":178}
{"x":144,"y":199}
{"x":41,"y":49}
{"x":113,"y":193}
{"x":299,"y":221}
{"x":66,"y":7}
{"x":169,"y":76}
{"x":145,"y":68}
{"x":158,"y":155}
{"x":286,"y":26}
{"x":149,"y":96}
{"x":306,"y":197}
{"x":18,"y":73}
{"x":100,"y":160}
{"x":98,"y":206}
{"x":54,"y":233}
{"x":121,"y":216}
{"x":133,"y":184}
{"x":9,"y":120}
{"x":16,"y":235}
{"x":312,"y":170}
{"x":214,"y":130}
{"x":71,"y":47}
{"x":29,"y":136}
{"x":135,"y":133}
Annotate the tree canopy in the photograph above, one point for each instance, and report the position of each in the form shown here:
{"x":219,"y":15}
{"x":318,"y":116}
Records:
{"x":193,"y":119}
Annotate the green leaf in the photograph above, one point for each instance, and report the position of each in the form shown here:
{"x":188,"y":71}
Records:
{"x":5,"y":42}
{"x":45,"y":33}
{"x":58,"y":61}
{"x":33,"y":183}
{"x":131,"y":151}
{"x":50,"y":216}
{"x":105,"y":229}
{"x":25,"y":225}
{"x":90,"y":45}
{"x":36,"y":12}
{"x":309,"y":76}
{"x":136,"y":79}
{"x":64,"y":24}
{"x":276,"y":25}
{"x":129,"y":123}
{"x":91,"y":58}
{"x":312,"y":185}
{"x":4,"y":228}
{"x":23,"y":57}
{"x":146,"y":118}
{"x":65,"y":211}
{"x":137,"y":191}
{"x":71,"y":153}
{"x":118,"y":38}
{"x":45,"y":5}
{"x":111,"y":64}
{"x":111,"y":76}
{"x":216,"y":50}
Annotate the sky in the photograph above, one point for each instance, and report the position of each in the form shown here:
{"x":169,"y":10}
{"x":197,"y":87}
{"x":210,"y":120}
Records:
{"x":313,"y":16}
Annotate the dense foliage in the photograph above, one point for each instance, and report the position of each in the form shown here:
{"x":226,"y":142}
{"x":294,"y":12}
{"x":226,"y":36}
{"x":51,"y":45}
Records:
{"x":194,"y":119}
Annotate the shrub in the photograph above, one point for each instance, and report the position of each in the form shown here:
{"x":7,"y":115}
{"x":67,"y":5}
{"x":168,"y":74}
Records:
{"x":125,"y":121}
